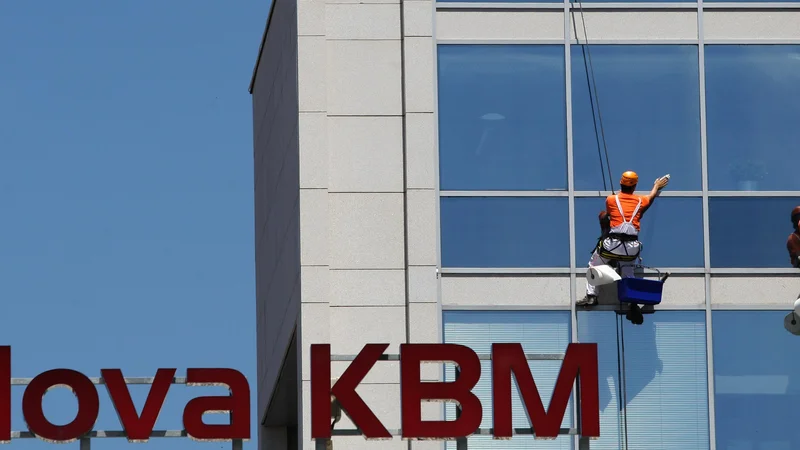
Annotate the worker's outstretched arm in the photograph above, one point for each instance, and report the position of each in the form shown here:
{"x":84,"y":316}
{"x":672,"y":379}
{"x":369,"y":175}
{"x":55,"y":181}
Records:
{"x":660,"y":184}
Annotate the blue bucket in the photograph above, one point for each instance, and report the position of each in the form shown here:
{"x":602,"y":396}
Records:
{"x":639,"y":291}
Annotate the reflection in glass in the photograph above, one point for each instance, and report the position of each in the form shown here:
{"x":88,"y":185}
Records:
{"x":502,"y":117}
{"x":671,"y":236}
{"x":756,"y":380}
{"x":504,"y":232}
{"x":752,"y":106}
{"x":649,"y":96}
{"x":538,"y":332}
{"x":665,"y":395}
{"x":750,"y":231}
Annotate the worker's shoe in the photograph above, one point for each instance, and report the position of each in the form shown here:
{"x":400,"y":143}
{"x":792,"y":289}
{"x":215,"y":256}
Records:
{"x":588,"y":300}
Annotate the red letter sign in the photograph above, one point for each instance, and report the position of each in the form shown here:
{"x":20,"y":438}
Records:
{"x":238,"y":403}
{"x":137,"y":428}
{"x":580,"y":358}
{"x":5,"y":394}
{"x":88,"y":405}
{"x":344,"y":390}
{"x":413,"y":391}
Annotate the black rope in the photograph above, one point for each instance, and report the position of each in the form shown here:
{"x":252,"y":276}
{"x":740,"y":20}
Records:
{"x":593,"y":98}
{"x":623,"y":411}
{"x":624,"y":381}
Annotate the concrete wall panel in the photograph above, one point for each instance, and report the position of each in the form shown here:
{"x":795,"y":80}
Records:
{"x":311,"y":17}
{"x":364,"y":77}
{"x":313,"y":136}
{"x":315,"y":284}
{"x":513,"y":291}
{"x":421,"y":151}
{"x":418,"y":18}
{"x":362,"y":21}
{"x":779,"y":292}
{"x":351,"y":328}
{"x":468,"y":25}
{"x":422,"y":284}
{"x":314,"y":227}
{"x":753,"y":25}
{"x":422,"y":230}
{"x":651,"y":25}
{"x":366,"y":231}
{"x":312,"y":77}
{"x":419,"y":61}
{"x":315,"y":320}
{"x":366,"y":154}
{"x":367,"y":287}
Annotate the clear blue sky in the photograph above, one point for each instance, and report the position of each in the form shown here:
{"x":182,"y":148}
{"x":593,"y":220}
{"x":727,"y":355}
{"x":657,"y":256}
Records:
{"x":126,"y":195}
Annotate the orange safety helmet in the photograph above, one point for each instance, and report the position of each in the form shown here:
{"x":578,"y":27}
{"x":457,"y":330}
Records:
{"x":629,"y":178}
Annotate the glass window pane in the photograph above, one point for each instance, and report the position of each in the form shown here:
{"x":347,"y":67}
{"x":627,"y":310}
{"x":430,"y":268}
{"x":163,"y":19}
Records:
{"x":752,"y":104}
{"x":502,"y":117}
{"x":665,"y":379}
{"x":537,"y":332}
{"x":649,"y":97}
{"x":505,"y":232}
{"x":670,"y":221}
{"x":750,"y":231}
{"x":756,"y":380}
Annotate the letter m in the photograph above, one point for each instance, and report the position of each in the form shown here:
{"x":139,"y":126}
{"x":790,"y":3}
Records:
{"x":580,"y":359}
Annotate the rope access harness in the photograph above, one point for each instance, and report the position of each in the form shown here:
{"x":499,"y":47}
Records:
{"x":600,"y":137}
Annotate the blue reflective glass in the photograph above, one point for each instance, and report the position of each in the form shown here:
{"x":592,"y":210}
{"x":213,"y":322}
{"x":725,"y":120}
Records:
{"x":502,"y":117}
{"x":649,"y":98}
{"x":538,"y":332}
{"x":756,"y":380}
{"x":664,"y":392}
{"x":752,"y":105}
{"x":750,"y":231}
{"x":504,"y":232}
{"x":671,"y":235}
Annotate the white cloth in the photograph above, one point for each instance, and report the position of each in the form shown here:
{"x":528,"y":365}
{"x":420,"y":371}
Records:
{"x":626,"y":267}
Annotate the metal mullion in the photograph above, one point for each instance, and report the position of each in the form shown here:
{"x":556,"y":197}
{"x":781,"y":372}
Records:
{"x":571,"y":207}
{"x":706,"y":228}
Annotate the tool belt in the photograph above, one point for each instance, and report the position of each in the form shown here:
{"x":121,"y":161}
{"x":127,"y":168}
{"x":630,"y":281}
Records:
{"x":622,"y":238}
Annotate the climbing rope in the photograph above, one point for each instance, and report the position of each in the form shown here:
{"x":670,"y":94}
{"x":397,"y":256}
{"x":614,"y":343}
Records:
{"x":593,"y":98}
{"x":622,"y":378}
{"x":600,"y":138}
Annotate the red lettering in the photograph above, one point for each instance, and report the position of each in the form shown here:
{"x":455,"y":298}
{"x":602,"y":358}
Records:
{"x":238,"y":404}
{"x":344,"y":390}
{"x":137,"y":428}
{"x":5,"y":394}
{"x":413,"y":391}
{"x":88,"y":405}
{"x":579,"y":359}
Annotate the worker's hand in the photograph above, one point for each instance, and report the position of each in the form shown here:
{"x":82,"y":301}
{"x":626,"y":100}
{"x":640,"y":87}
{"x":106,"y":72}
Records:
{"x":661,"y":183}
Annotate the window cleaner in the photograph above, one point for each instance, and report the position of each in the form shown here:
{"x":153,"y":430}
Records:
{"x":793,"y":246}
{"x":619,"y":241}
{"x":793,"y":242}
